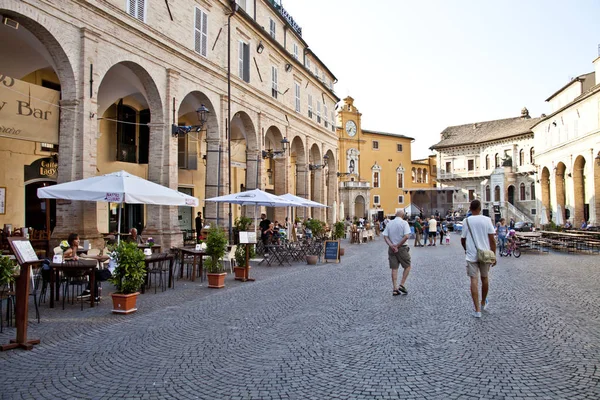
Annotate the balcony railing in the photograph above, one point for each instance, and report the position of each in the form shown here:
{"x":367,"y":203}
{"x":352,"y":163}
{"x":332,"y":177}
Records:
{"x":461,"y":175}
{"x":355,"y":184}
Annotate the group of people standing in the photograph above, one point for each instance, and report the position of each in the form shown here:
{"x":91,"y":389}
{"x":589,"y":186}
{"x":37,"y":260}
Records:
{"x":429,"y":230}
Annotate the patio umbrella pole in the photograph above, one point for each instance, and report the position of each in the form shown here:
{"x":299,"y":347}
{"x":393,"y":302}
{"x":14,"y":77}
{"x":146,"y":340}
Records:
{"x":119,"y":226}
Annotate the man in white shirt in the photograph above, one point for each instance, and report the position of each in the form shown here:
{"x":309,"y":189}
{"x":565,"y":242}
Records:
{"x":395,"y":235}
{"x":432,"y":231}
{"x":478,"y":233}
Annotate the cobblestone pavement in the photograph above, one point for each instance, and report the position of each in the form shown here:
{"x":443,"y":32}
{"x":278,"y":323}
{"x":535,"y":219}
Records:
{"x":331,"y":331}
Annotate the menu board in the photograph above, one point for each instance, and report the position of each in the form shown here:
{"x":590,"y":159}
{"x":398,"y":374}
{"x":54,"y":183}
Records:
{"x":247,"y":237}
{"x":24,"y":251}
{"x":332,"y":251}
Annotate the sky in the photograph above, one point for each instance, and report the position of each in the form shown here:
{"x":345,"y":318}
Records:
{"x":415,"y":67}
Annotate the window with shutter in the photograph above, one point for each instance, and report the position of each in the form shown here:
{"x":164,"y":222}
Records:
{"x":272,"y":28}
{"x":244,"y":61}
{"x":398,"y":147}
{"x":333,"y":121}
{"x":470,"y":165}
{"x":325,"y":116}
{"x":400,"y":199}
{"x":308,"y":63}
{"x":318,"y":112}
{"x":201,"y":32}
{"x":376,"y":199}
{"x":297,"y":93}
{"x":375,"y":145}
{"x":310,"y":109}
{"x":533,"y":191}
{"x":137,"y":9}
{"x":274,"y":81}
{"x":522,"y":196}
{"x":295,"y":51}
{"x":400,"y":180}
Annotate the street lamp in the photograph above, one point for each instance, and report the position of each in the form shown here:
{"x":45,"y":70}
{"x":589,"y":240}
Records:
{"x":180,"y":130}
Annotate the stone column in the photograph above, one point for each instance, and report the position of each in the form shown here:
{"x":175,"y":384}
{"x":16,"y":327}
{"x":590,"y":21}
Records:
{"x":216,"y":179}
{"x":301,"y":186}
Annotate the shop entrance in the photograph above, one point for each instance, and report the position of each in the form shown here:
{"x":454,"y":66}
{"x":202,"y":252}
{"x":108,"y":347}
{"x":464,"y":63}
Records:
{"x":36,"y":208}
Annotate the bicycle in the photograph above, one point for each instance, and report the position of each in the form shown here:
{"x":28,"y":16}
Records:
{"x":512,"y":248}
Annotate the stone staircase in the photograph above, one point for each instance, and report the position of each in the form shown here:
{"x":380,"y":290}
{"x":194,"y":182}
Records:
{"x":516,"y":213}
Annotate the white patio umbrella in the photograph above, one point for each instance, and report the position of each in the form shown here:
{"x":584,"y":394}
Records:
{"x":544,"y":217}
{"x":334,"y":211}
{"x":559,"y":216}
{"x":255,"y":197}
{"x":342,"y":216}
{"x":302,"y":202}
{"x":117,"y":187}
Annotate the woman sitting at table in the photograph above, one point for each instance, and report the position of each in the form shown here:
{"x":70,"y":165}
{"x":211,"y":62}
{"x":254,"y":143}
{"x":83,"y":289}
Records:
{"x":71,"y":254}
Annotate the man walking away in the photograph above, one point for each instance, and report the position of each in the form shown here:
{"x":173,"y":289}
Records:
{"x":432,"y":231}
{"x":395,"y":235}
{"x":478,"y":233}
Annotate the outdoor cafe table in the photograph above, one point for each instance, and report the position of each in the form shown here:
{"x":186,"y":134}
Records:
{"x":197,"y":254}
{"x":89,"y":266}
{"x":155,"y":247}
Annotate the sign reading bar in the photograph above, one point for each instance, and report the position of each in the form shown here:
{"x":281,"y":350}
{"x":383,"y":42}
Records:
{"x":332,"y":251}
{"x":27,"y":111}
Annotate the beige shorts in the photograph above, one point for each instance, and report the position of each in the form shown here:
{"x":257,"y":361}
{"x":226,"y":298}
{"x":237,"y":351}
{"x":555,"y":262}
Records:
{"x":402,"y":257}
{"x":476,"y":268}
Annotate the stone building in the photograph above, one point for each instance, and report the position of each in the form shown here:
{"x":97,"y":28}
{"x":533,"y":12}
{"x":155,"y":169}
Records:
{"x":492,"y":161}
{"x":374,"y":167}
{"x":123,"y":72}
{"x":567,"y":144}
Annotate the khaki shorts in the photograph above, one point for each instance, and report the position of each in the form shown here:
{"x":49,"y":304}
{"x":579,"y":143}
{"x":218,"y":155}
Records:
{"x":402,"y":257}
{"x":476,"y":268}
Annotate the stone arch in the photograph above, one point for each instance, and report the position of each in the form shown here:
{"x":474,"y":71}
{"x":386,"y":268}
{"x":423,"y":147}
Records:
{"x":330,"y":185}
{"x":487,"y":193}
{"x":56,"y":56}
{"x":559,"y":182}
{"x":497,"y":193}
{"x":510,"y":191}
{"x":545,"y":188}
{"x":425,"y":176}
{"x":413,"y":174}
{"x":275,"y":168}
{"x":359,"y":206}
{"x":299,"y":172}
{"x":579,"y":195}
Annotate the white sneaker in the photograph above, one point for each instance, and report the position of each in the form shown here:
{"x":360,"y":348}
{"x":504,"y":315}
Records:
{"x":485,"y":305}
{"x":477,"y":314}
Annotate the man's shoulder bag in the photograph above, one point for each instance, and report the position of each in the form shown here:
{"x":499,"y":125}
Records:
{"x":483,"y":256}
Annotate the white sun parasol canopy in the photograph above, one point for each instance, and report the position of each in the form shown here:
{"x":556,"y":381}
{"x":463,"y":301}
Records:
{"x":118,"y":187}
{"x":303,"y":202}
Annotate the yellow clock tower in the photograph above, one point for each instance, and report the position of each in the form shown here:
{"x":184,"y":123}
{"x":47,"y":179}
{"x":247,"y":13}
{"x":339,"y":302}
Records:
{"x":349,"y":140}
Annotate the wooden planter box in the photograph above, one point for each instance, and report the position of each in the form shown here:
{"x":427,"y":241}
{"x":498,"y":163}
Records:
{"x":216,"y":281}
{"x":124,"y":303}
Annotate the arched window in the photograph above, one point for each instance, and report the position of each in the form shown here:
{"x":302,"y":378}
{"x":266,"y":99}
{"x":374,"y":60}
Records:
{"x":419,"y":175}
{"x":487,"y":193}
{"x":521,"y":157}
{"x":533,"y":191}
{"x":522,"y":195}
{"x":496,"y":160}
{"x":531,"y":155}
{"x":414,"y":175}
{"x":487,"y":161}
{"x":425,"y":177}
{"x":497,"y":193}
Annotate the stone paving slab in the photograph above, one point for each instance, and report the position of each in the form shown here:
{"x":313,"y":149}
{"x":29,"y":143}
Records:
{"x":331,"y":331}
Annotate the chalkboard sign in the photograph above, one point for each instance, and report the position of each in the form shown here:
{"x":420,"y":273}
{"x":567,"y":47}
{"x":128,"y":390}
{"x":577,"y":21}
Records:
{"x":332,"y":251}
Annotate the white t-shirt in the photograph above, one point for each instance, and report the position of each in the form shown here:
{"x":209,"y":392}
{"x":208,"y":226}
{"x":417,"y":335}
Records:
{"x":396,"y":230}
{"x":432,"y":225}
{"x":481,"y":226}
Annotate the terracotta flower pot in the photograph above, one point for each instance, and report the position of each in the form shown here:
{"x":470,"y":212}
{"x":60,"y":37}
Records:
{"x":124,"y":303}
{"x":311,"y":260}
{"x":239,"y":273}
{"x":216,"y":281}
{"x":342,"y":251}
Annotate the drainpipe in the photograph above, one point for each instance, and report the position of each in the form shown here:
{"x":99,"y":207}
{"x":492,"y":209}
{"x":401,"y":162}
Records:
{"x":233,"y":6}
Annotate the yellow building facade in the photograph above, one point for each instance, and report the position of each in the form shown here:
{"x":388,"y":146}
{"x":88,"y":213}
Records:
{"x":374,"y":167}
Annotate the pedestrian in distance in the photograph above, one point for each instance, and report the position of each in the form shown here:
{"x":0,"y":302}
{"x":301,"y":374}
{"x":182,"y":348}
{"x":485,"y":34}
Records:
{"x":425,"y":232}
{"x":432,"y":231}
{"x":198,"y":226}
{"x":396,"y":235}
{"x":501,"y":231}
{"x":478,"y":234}
{"x":418,"y":231}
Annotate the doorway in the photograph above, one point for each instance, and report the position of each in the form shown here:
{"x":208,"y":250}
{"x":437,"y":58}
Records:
{"x":35,"y":208}
{"x":359,"y":207}
{"x":132,"y":216}
{"x":185,"y":216}
{"x":511,"y":195}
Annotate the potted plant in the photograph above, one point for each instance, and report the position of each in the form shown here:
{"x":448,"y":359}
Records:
{"x":240,"y":224}
{"x":128,"y":276}
{"x":216,"y":241}
{"x":317,"y":229}
{"x":8,"y":270}
{"x":338,"y":233}
{"x":240,"y":259}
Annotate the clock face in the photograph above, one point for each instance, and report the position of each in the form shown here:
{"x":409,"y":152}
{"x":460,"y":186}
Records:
{"x":350,"y":128}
